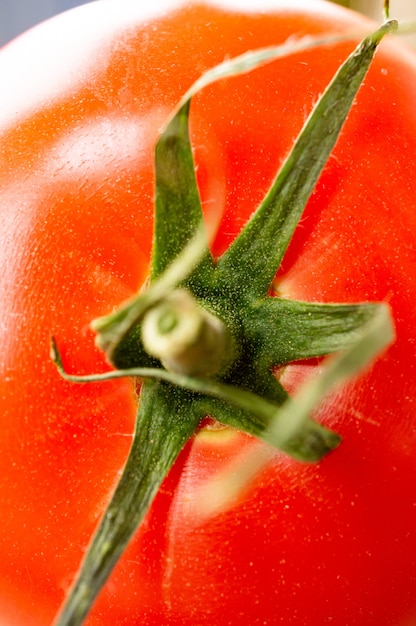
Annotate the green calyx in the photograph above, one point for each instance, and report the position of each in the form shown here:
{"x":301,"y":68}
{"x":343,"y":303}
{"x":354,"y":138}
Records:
{"x":205,"y":336}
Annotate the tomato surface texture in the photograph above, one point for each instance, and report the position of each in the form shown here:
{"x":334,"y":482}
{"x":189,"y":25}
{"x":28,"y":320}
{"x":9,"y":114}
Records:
{"x":83,"y":99}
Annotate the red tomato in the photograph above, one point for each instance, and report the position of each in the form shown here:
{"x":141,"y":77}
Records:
{"x":83,"y":98}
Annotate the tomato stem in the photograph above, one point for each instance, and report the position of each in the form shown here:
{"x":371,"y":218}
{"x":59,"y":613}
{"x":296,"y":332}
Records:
{"x":185,"y":337}
{"x":229,"y":306}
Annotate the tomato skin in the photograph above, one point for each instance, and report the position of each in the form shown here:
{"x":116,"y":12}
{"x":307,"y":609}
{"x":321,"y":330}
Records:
{"x":332,"y":543}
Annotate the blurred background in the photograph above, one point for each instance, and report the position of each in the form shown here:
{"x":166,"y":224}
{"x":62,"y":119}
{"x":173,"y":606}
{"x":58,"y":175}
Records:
{"x":17,"y":16}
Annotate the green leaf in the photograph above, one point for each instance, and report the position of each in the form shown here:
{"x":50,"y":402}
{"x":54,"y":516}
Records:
{"x":296,"y":330}
{"x":289,"y":419}
{"x":375,"y":336}
{"x":178,"y":212}
{"x":254,"y":257}
{"x":164,"y":424}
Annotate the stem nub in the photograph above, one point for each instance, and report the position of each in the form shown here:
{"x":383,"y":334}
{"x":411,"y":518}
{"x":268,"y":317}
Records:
{"x":186,"y":338}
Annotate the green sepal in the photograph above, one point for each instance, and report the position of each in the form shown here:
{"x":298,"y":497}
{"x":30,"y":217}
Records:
{"x":178,"y":211}
{"x":294,"y":330}
{"x":245,"y":263}
{"x":171,"y":408}
{"x":165,"y":422}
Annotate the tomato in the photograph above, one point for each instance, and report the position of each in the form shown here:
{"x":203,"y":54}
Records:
{"x":84,"y":98}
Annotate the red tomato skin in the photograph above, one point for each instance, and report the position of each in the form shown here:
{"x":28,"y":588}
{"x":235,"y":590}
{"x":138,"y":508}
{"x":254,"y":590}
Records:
{"x":327,"y":544}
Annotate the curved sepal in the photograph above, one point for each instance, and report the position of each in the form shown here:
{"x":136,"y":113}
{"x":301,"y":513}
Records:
{"x":271,"y":228}
{"x":165,"y":422}
{"x":295,"y":330}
